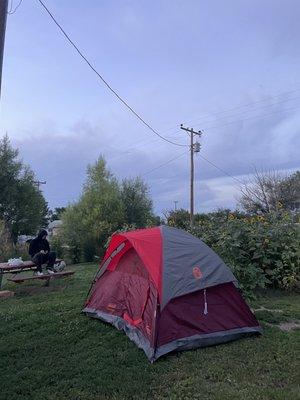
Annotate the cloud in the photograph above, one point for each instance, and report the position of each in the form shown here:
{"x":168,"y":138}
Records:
{"x":61,"y":158}
{"x":169,"y":73}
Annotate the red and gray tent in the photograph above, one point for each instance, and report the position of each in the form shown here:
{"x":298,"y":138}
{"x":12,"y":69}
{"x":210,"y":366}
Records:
{"x":168,"y":291}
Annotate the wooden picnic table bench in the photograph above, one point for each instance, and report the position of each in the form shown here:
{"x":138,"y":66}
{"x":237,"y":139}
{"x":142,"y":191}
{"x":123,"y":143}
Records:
{"x":45,"y":277}
{"x":5,"y":268}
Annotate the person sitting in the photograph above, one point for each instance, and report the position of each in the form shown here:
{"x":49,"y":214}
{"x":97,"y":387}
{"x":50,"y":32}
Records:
{"x":40,"y":253}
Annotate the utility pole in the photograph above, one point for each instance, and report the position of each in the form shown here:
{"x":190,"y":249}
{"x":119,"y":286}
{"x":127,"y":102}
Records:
{"x":194,"y":148}
{"x":38,"y":183}
{"x":175,"y":205}
{"x":3,"y":15}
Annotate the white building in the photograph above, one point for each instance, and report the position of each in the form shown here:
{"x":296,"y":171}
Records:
{"x":54,"y":227}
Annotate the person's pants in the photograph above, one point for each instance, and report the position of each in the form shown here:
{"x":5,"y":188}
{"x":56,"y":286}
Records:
{"x":40,"y":259}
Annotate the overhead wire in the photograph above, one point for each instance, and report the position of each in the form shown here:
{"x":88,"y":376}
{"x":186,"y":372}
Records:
{"x":249,"y":111}
{"x":205,"y":128}
{"x":154,"y":130}
{"x":209,"y":114}
{"x":252,"y":117}
{"x":11,"y":11}
{"x":105,"y":82}
{"x":221,"y":169}
{"x":165,"y":163}
{"x":11,"y":6}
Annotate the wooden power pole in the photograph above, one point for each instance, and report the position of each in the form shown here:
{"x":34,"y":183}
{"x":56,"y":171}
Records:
{"x":194,"y":148}
{"x":175,"y":205}
{"x":38,"y":183}
{"x":3,"y":15}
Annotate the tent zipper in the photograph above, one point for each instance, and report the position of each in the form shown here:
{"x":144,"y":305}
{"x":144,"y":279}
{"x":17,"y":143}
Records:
{"x":205,"y":303}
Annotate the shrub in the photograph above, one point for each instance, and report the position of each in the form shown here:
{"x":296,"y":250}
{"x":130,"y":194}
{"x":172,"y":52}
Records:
{"x":6,"y":244}
{"x":262,"y":251}
{"x":57,"y":245}
{"x":8,"y":249}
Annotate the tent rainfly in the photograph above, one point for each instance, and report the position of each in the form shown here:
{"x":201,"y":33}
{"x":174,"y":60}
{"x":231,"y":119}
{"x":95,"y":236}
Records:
{"x":168,"y":291}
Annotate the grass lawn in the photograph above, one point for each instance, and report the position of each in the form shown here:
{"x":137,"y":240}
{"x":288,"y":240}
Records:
{"x":48,"y":350}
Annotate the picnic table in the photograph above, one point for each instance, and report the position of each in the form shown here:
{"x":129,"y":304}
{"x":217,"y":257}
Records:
{"x":5,"y":268}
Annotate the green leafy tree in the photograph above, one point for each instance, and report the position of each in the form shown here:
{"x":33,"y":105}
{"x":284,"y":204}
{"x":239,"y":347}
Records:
{"x":97,"y":214}
{"x":290,"y":192}
{"x":137,"y":204}
{"x":56,"y":213}
{"x":22,"y":205}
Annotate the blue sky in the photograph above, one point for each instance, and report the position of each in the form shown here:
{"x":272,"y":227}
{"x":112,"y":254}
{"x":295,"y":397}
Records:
{"x":174,"y":62}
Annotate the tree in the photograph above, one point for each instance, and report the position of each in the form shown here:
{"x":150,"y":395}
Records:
{"x":22,"y":205}
{"x":137,"y":204}
{"x":270,"y":191}
{"x":290,"y":192}
{"x":56,"y":213}
{"x":99,"y":212}
{"x":6,"y":245}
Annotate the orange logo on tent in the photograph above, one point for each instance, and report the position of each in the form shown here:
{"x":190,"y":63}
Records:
{"x":197,"y":273}
{"x":111,"y":307}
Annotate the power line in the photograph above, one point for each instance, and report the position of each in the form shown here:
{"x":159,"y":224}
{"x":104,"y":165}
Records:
{"x":222,"y":170}
{"x":207,"y":115}
{"x":249,"y":111}
{"x":104,"y":81}
{"x":10,"y":12}
{"x":230,"y":122}
{"x":253,"y":117}
{"x":162,"y":165}
{"x":231,"y":176}
{"x":11,"y":6}
{"x":245,"y":105}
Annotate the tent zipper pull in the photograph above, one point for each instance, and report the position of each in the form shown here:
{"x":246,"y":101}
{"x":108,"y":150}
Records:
{"x":205,"y":303}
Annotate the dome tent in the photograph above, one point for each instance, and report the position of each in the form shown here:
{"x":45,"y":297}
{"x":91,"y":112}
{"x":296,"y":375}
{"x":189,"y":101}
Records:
{"x":168,"y":291}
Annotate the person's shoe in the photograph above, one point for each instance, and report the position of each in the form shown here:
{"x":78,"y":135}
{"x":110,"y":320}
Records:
{"x":50,"y":271}
{"x":38,"y":273}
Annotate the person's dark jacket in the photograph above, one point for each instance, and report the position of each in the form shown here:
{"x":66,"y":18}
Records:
{"x":37,"y":244}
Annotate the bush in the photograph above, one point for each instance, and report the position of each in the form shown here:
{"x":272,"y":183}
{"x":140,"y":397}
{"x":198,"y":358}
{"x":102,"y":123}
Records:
{"x":8,"y":249}
{"x":262,"y":251}
{"x":57,"y":245}
{"x":6,"y":244}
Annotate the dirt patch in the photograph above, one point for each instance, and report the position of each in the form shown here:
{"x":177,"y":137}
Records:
{"x":285,"y":326}
{"x":289,"y":326}
{"x":266,"y":309}
{"x":4,"y":294}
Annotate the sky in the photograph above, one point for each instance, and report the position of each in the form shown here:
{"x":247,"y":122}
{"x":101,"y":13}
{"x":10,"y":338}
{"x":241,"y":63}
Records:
{"x":229,"y":68}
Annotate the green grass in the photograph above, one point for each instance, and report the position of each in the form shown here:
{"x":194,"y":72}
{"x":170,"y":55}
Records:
{"x":49,"y":351}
